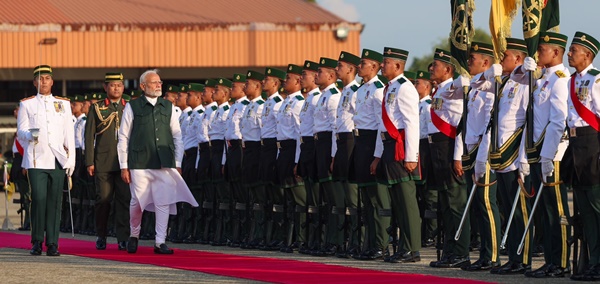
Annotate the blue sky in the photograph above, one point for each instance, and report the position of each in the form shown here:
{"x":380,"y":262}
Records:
{"x":417,"y":25}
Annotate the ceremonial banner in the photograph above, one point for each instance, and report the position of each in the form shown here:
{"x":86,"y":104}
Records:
{"x":502,"y":13}
{"x":539,"y":16}
{"x":461,"y":33}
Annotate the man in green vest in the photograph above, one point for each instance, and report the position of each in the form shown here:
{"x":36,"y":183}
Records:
{"x":150,"y":151}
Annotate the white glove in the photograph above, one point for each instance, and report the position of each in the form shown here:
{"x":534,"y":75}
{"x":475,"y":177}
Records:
{"x":529,"y":64}
{"x":70,"y":171}
{"x":524,"y":169}
{"x":493,"y":72}
{"x":479,"y":169}
{"x":547,"y":167}
{"x":461,"y":81}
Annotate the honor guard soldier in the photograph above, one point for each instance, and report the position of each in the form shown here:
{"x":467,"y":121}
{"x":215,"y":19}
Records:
{"x":549,"y":114}
{"x":216,"y":133}
{"x":178,"y":221}
{"x":475,"y":163}
{"x":102,"y":162}
{"x":203,"y":171}
{"x":19,"y":178}
{"x":324,"y":125}
{"x":268,"y":158}
{"x":181,"y":102}
{"x":80,"y":181}
{"x":375,"y":197}
{"x":233,"y":166}
{"x":449,"y":182}
{"x":428,"y":198}
{"x":508,"y":160}
{"x":44,"y":121}
{"x":171,"y":95}
{"x":288,"y":140}
{"x":346,"y":197}
{"x":583,"y":154}
{"x":398,"y":151}
{"x":306,"y":168}
{"x":190,"y":156}
{"x":250,"y":127}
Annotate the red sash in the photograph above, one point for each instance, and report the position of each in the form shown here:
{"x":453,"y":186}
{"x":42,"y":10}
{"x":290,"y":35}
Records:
{"x":392,"y":130}
{"x":19,"y":147}
{"x":441,"y":125}
{"x":583,"y":111}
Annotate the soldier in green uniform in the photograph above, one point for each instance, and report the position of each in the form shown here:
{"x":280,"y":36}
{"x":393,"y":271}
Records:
{"x":102,"y":161}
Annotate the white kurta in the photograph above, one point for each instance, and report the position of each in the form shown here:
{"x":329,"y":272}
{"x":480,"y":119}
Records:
{"x":155,"y":186}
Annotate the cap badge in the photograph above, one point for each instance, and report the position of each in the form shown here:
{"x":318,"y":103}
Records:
{"x":546,"y":38}
{"x":220,"y":81}
{"x":366,"y":53}
{"x":308,"y":64}
{"x":237,"y":77}
{"x":249,"y":74}
{"x":476,"y":47}
{"x":269,"y":71}
{"x":323,"y":61}
{"x":342,"y":56}
{"x":290,"y":68}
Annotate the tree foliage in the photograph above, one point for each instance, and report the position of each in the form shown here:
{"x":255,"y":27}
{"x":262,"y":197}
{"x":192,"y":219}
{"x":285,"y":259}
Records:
{"x":421,"y":63}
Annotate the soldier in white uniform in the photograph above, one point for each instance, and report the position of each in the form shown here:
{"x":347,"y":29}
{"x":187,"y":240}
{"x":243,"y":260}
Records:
{"x":288,"y":139}
{"x":306,"y":168}
{"x":326,"y":146}
{"x":152,"y":166}
{"x":583,"y":154}
{"x":216,"y":134}
{"x":233,"y":166}
{"x":250,"y":127}
{"x":375,"y":197}
{"x":428,"y":198}
{"x":549,"y":115}
{"x":203,"y":169}
{"x":399,"y":155}
{"x":44,"y":121}
{"x":268,"y":158}
{"x":346,"y":198}
{"x":79,"y":191}
{"x":449,"y":181}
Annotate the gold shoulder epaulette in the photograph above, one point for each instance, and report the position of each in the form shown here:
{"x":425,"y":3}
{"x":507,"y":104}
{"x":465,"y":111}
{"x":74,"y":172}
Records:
{"x":62,"y":98}
{"x":560,"y":74}
{"x":27,"y":98}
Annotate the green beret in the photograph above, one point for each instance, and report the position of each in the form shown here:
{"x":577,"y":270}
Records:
{"x":349,"y":58}
{"x":294,"y":69}
{"x":195,"y":87}
{"x":383,"y":79}
{"x":311,"y":66}
{"x":136,"y":93}
{"x":395,"y":53}
{"x":182,"y":88}
{"x":253,"y":75}
{"x":327,"y":62}
{"x":102,"y":96}
{"x":42,"y":69}
{"x":126,"y":97}
{"x":516,"y":44}
{"x":423,"y":75}
{"x":273,"y":72}
{"x":373,"y":55}
{"x":210,"y":83}
{"x":239,"y":78}
{"x":553,"y":38}
{"x":410,"y":75}
{"x":70,"y":98}
{"x":172,"y":89}
{"x":339,"y":85}
{"x":482,"y":48}
{"x":586,"y":40}
{"x":224,"y":82}
{"x":78,"y":98}
{"x":92,"y":96}
{"x":111,"y":77}
{"x":442,"y":55}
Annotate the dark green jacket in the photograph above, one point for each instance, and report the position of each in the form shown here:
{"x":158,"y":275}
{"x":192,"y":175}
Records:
{"x":151,"y":143}
{"x":103,"y":152}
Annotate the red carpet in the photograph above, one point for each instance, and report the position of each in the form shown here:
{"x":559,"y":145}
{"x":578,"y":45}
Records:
{"x":248,"y":267}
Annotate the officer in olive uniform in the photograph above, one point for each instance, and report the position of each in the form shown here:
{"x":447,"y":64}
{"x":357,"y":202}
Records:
{"x":584,"y":96}
{"x":102,"y":162}
{"x":550,"y":109}
{"x":45,"y":122}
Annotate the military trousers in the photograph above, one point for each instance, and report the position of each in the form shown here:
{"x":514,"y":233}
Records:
{"x":111,"y":189}
{"x":46,"y":193}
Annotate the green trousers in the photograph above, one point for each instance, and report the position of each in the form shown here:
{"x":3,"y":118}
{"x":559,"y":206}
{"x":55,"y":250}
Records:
{"x":46,"y":197}
{"x":453,"y":200}
{"x":405,"y":210}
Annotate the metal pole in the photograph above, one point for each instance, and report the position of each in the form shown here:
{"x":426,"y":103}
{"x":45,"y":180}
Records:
{"x":537,"y":198}
{"x":464,"y":216}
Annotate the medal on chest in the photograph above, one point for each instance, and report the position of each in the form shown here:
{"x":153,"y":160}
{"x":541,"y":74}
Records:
{"x":58,"y":107}
{"x":391,"y":97}
{"x":436,"y":103}
{"x":305,"y":106}
{"x":583,"y":91}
